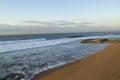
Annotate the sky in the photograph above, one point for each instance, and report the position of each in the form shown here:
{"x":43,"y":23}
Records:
{"x":58,"y":16}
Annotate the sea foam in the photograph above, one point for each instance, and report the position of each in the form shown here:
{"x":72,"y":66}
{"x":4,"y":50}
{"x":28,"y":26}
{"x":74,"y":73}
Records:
{"x":6,"y":46}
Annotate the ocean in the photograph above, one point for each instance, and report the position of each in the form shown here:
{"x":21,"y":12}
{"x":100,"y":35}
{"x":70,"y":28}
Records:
{"x":24,"y":56}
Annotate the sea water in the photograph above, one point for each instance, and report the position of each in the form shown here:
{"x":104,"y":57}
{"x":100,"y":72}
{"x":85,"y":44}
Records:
{"x":24,"y":56}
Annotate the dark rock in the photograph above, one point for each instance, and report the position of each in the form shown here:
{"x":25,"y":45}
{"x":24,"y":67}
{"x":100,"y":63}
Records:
{"x":94,"y":40}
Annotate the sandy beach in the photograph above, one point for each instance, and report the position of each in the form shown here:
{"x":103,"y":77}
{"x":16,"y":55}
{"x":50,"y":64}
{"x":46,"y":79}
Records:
{"x":104,"y":65}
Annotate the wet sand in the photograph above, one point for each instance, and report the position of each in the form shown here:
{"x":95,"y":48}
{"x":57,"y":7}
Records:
{"x":104,"y":65}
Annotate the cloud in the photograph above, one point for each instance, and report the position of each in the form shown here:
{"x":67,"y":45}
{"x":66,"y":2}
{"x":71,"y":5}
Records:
{"x":35,"y":27}
{"x":58,"y":23}
{"x":50,"y":24}
{"x":40,"y":23}
{"x":35,"y":22}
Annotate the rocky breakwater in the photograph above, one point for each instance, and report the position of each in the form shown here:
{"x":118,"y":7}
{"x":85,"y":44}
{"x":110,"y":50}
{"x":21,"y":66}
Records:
{"x":100,"y":41}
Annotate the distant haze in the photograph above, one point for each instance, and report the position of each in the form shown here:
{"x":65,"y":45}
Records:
{"x":58,"y":16}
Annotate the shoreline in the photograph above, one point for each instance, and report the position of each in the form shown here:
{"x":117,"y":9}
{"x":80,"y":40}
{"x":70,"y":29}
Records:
{"x":48,"y":71}
{"x":36,"y":76}
{"x":84,"y":67}
{"x":51,"y":70}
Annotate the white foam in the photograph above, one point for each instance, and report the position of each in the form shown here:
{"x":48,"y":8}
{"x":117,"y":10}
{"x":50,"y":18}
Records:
{"x":20,"y":41}
{"x":103,"y":36}
{"x":6,"y":46}
{"x":26,"y":44}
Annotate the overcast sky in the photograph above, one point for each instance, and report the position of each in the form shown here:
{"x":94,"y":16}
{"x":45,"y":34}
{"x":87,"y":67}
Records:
{"x":58,"y":16}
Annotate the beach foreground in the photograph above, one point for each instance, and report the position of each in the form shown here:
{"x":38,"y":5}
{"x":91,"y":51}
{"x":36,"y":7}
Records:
{"x":104,"y":65}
